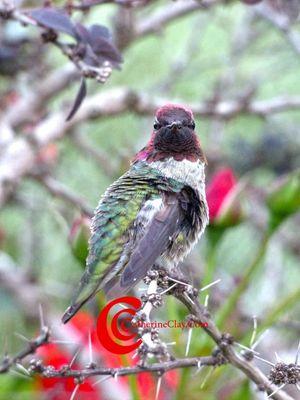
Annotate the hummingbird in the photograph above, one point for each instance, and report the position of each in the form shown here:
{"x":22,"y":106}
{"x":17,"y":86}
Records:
{"x":152,"y":215}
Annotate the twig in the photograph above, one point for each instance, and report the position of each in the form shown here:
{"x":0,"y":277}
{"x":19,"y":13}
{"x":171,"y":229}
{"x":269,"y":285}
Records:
{"x":100,"y":73}
{"x":33,"y":101}
{"x":159,"y":367}
{"x":154,"y":23}
{"x":58,"y":189}
{"x":99,"y":155}
{"x":30,"y":348}
{"x":281,"y":23}
{"x":225,"y":344}
{"x":18,"y":159}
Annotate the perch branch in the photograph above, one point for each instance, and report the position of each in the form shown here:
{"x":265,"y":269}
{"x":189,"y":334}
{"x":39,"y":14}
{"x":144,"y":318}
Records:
{"x":225,"y":343}
{"x":30,"y":348}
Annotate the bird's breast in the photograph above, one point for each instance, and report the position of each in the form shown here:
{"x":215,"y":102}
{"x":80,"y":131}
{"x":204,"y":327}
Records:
{"x":188,"y":172}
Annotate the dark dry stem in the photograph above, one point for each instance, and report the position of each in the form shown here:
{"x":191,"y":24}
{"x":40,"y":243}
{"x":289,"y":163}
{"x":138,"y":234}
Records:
{"x":225,"y":343}
{"x":31,"y":348}
{"x":160,"y":368}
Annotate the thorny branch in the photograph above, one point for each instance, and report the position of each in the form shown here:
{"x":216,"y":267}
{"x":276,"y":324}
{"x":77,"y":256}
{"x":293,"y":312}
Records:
{"x":160,"y":367}
{"x":225,"y":343}
{"x":159,"y":284}
{"x":31,"y":348}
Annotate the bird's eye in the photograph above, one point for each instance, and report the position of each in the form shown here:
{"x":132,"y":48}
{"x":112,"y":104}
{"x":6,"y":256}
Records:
{"x":156,"y":125}
{"x":192,"y":125}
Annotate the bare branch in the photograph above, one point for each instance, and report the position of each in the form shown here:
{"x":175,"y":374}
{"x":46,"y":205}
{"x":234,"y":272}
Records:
{"x":154,"y":23}
{"x":160,"y":367}
{"x":98,"y":154}
{"x":28,"y":106}
{"x":58,"y":189}
{"x":87,"y":4}
{"x":27,"y":293}
{"x":225,"y":344}
{"x":282,"y":23}
{"x":30,"y":348}
{"x":18,"y":158}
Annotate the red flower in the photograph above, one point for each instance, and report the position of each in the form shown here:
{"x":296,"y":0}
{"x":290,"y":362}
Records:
{"x":62,"y":388}
{"x":58,"y":355}
{"x":220,"y":186}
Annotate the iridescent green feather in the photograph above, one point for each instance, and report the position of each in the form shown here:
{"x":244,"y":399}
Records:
{"x":114,"y":216}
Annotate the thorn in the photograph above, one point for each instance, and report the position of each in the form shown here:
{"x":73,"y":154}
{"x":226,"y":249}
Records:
{"x":42,"y":322}
{"x":297,"y":354}
{"x":298,"y":386}
{"x":101,"y":380}
{"x":261,"y":337}
{"x":12,"y":371}
{"x":74,"y":357}
{"x":158,"y":387}
{"x":188,"y":298}
{"x":188,"y":341}
{"x":207,"y":376}
{"x":22,"y":368}
{"x":181,"y":283}
{"x":276,"y":391}
{"x":262,"y":359}
{"x":254,"y":330}
{"x":19,"y":335}
{"x":134,"y":355}
{"x":278,"y":359}
{"x":246,"y":348}
{"x":90,"y":348}
{"x":169,"y":288}
{"x":206,"y":301}
{"x":116,"y":376}
{"x":210,"y":285}
{"x":199,"y":366}
{"x":74,"y":392}
{"x":171,"y":343}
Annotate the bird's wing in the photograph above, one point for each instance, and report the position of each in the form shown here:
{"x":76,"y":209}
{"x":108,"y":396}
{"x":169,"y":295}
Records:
{"x":158,"y":234}
{"x":115,"y":214}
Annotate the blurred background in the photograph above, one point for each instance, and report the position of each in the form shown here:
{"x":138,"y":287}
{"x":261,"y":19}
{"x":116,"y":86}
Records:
{"x":237,"y":65}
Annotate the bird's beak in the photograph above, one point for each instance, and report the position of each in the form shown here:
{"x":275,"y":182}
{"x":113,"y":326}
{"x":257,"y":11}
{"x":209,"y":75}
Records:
{"x":174,"y":126}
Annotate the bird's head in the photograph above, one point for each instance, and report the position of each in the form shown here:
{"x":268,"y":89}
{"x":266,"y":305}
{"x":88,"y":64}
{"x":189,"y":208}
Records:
{"x":173,"y":135}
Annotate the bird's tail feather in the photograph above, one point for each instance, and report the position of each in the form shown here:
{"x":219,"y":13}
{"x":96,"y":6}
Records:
{"x":84,"y":293}
{"x":74,"y":307}
{"x":70,"y":312}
